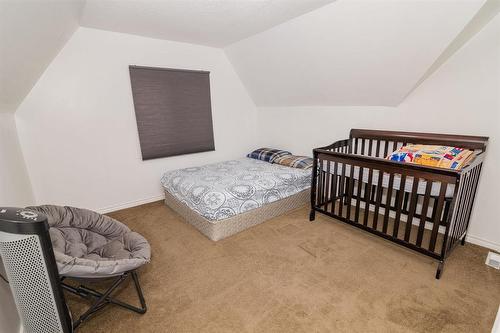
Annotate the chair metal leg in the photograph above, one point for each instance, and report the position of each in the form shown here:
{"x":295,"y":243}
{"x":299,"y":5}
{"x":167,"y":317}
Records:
{"x":103,"y":299}
{"x":143,"y":308}
{"x":100,"y":303}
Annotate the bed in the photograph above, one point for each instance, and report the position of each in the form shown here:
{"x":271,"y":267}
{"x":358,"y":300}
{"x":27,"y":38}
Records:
{"x":424,"y":208}
{"x":222,"y":199}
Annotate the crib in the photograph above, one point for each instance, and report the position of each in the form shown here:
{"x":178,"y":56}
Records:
{"x":426,"y":209}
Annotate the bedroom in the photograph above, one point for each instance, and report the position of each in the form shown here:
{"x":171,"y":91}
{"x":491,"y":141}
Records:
{"x":285,"y":74}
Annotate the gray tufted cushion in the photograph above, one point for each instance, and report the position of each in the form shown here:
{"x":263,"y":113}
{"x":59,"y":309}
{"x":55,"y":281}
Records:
{"x":90,"y":245}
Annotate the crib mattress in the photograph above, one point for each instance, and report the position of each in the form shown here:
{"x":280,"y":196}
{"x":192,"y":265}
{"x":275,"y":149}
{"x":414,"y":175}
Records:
{"x":408,"y":185}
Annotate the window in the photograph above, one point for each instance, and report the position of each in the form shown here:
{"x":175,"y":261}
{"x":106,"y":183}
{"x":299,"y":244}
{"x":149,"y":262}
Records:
{"x":173,"y":111}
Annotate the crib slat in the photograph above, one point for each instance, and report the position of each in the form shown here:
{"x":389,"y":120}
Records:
{"x":349,"y":192}
{"x":434,"y":208}
{"x":320,"y":182}
{"x":378,"y":149}
{"x":380,"y":191}
{"x":465,"y":198}
{"x":462,"y":197}
{"x":327,"y":185}
{"x":477,"y":172}
{"x":471,"y":190}
{"x":423,"y":213}
{"x":388,"y":203}
{"x":362,"y":146}
{"x":368,"y":196}
{"x":412,"y":209}
{"x":405,"y":201}
{"x":398,"y":205}
{"x":454,"y":235}
{"x":373,"y":193}
{"x":356,"y":146}
{"x":334,"y":191}
{"x":323,"y":180}
{"x":370,"y":146}
{"x":386,"y":148}
{"x":437,"y":217}
{"x":446,"y":210}
{"x":358,"y":195}
{"x":342,"y":190}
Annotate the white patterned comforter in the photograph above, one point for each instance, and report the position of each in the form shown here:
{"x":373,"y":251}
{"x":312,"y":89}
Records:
{"x":221,"y":190}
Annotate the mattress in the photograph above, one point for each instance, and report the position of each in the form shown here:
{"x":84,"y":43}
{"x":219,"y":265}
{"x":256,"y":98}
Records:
{"x":233,"y":225}
{"x":222,"y":190}
{"x":407,"y":186}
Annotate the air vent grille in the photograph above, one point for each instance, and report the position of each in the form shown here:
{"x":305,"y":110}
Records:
{"x":493,"y":260}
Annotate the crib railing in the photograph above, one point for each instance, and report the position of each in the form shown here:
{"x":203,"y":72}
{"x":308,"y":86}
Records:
{"x":464,"y":201}
{"x":422,"y":208}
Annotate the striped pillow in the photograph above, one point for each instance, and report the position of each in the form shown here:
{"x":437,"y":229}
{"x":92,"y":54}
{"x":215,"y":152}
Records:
{"x":300,"y":162}
{"x":267,"y":154}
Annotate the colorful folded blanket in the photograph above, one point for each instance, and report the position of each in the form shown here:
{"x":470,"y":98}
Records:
{"x":435,"y":156}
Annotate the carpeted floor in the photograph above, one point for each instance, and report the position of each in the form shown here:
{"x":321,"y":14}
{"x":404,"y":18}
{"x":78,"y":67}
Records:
{"x":291,"y":275}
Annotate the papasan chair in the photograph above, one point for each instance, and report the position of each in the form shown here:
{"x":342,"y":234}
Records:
{"x":88,"y":245}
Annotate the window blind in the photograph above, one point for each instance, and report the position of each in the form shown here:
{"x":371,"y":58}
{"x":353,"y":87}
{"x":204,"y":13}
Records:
{"x":173,"y":111}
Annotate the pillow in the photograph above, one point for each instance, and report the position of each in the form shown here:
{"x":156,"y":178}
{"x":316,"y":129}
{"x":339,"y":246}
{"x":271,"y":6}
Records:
{"x":300,"y":162}
{"x":267,"y":154}
{"x":435,"y":156}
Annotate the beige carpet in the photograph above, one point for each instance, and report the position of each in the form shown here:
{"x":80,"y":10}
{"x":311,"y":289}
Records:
{"x":291,"y":275}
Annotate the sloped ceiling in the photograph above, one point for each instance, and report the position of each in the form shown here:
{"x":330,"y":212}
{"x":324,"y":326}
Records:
{"x":350,"y":52}
{"x":287,"y":52}
{"x":207,"y":22}
{"x":31,"y":35}
{"x":488,"y":11}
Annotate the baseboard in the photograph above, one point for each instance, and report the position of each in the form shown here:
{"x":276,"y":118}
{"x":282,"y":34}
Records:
{"x":483,"y":242}
{"x":130,"y":204}
{"x":471,"y":239}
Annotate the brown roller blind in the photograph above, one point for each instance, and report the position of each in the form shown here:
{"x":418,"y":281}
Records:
{"x":173,"y":111}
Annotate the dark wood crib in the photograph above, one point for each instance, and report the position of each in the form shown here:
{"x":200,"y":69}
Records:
{"x":426,"y":209}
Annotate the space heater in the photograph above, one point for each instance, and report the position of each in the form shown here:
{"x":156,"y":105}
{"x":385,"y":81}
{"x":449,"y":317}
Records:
{"x":27,"y":254}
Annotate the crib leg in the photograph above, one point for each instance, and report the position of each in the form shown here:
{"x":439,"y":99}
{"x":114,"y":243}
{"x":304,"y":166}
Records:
{"x":312,"y":215}
{"x":439,"y":271}
{"x":463,"y":240}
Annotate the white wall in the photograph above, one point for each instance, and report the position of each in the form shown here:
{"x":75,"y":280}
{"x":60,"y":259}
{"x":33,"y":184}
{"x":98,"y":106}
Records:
{"x":461,"y":97}
{"x":15,"y":190}
{"x":15,"y":187}
{"x":77,"y":126}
